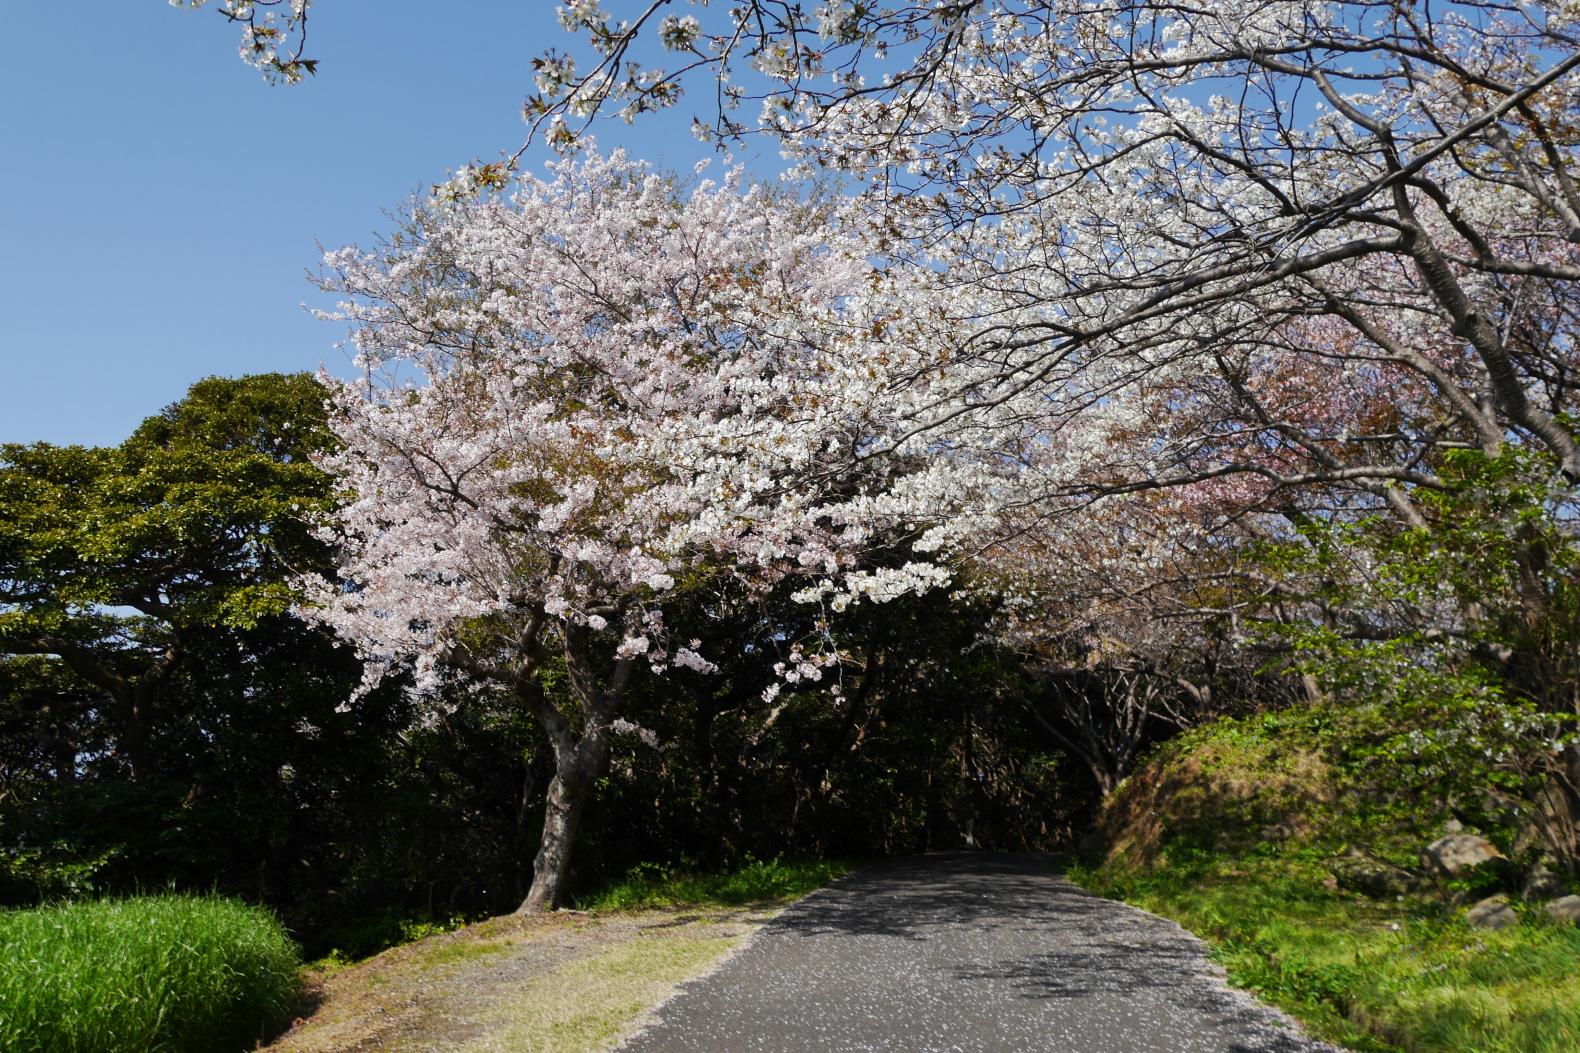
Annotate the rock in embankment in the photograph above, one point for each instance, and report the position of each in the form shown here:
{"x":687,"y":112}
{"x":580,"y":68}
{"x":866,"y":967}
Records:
{"x":1457,"y":854}
{"x":1541,"y":883}
{"x":1565,"y":910}
{"x":1493,"y":912}
{"x":1372,"y":877}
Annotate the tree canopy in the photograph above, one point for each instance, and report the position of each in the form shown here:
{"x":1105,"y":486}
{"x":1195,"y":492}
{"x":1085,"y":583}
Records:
{"x":1200,"y":358}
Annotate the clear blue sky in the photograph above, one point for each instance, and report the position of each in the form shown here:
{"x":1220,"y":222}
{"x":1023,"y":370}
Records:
{"x":160,"y":206}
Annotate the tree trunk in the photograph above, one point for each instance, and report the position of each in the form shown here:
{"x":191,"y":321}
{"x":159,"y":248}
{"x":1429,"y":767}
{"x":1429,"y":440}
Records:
{"x":551,"y":869}
{"x":574,"y":778}
{"x":133,"y":737}
{"x":580,"y":760}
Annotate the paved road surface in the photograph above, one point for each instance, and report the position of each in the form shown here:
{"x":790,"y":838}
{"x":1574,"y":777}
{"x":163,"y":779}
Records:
{"x":966,"y":954}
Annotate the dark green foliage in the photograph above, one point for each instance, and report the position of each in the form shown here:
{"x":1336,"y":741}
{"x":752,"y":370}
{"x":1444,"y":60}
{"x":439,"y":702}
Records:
{"x":122,"y":567}
{"x":158,"y":974}
{"x":377,"y":928}
{"x":651,"y":887}
{"x":914,"y":754}
{"x":164,"y":718}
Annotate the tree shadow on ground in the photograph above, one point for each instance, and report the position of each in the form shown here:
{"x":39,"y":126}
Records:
{"x":905,"y":898}
{"x":1095,"y":948}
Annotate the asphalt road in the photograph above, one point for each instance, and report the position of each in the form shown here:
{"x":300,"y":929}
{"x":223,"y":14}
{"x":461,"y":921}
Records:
{"x":966,"y":953}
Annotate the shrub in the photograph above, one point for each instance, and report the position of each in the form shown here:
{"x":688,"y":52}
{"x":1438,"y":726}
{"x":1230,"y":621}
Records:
{"x":150,"y":974}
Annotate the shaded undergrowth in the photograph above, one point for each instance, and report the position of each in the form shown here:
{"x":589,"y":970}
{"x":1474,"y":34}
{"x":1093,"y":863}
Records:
{"x":652,"y":887}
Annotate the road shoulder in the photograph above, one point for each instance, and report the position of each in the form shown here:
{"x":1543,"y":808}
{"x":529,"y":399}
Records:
{"x":561,"y":983}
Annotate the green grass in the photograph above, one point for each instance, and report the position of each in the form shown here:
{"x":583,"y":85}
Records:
{"x":587,"y":1004}
{"x":1375,"y":976}
{"x":1238,"y":829}
{"x":650,"y":887}
{"x":153,"y":974}
{"x":464,"y":951}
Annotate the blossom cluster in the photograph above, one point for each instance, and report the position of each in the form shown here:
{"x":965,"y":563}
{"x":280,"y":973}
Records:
{"x":273,"y":35}
{"x":587,"y":395}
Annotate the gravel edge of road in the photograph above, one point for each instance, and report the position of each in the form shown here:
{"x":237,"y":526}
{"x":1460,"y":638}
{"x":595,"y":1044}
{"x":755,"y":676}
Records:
{"x":1219,"y":976}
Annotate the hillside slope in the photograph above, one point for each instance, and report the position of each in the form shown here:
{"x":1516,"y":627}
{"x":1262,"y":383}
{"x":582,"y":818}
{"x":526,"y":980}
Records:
{"x":1304,"y":873}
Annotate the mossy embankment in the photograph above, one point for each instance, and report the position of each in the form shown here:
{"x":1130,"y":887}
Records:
{"x":1298,"y":861}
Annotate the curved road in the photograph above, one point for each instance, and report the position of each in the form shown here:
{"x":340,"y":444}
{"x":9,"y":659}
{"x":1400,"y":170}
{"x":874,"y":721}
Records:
{"x":966,"y":954}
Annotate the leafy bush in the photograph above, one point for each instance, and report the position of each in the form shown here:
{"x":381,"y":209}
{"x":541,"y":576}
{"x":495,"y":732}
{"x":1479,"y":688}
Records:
{"x":151,"y":974}
{"x":1452,"y":649}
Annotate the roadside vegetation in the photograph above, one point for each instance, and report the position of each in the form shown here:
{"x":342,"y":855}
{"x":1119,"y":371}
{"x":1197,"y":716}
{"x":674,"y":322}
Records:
{"x":154,"y":974}
{"x":1305,"y":879}
{"x":196,"y":974}
{"x":650,"y":887}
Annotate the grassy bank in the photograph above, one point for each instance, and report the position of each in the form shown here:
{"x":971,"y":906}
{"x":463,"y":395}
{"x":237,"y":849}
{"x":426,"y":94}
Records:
{"x":1370,"y":975}
{"x":646,"y":887}
{"x":1237,"y":833}
{"x":550,"y":983}
{"x":154,"y":974}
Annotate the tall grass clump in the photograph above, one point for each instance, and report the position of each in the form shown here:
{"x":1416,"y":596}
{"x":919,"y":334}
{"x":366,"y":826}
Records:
{"x":151,"y":974}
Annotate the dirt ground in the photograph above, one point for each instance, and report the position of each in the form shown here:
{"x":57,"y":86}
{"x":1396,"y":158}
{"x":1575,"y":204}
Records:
{"x":546,"y":984}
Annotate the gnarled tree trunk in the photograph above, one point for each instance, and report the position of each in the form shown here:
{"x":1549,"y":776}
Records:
{"x":576,"y":773}
{"x":581,"y":757}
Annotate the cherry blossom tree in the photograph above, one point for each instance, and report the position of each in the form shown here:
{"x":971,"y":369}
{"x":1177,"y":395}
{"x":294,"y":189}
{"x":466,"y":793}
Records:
{"x":582,"y":399}
{"x":1154,"y":192}
{"x":1263,"y":264}
{"x":273,"y":35}
{"x":1293,"y":256}
{"x":1128,"y":616}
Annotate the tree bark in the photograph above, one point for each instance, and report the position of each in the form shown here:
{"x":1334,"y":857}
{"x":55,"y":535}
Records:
{"x":581,"y":757}
{"x":574,"y":777}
